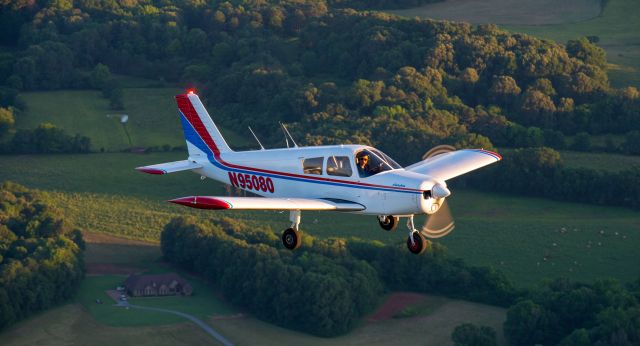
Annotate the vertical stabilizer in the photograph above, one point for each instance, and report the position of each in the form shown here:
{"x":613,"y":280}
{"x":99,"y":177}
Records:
{"x":199,"y":130}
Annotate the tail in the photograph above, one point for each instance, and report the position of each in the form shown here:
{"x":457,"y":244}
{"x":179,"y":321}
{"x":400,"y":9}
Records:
{"x":200,"y":132}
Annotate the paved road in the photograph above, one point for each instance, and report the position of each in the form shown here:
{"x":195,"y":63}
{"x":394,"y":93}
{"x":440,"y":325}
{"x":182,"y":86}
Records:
{"x":207,"y":328}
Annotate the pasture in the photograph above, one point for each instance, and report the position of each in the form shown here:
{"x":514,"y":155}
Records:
{"x":71,"y":324}
{"x":527,"y":238}
{"x":153,"y":119}
{"x":514,"y":12}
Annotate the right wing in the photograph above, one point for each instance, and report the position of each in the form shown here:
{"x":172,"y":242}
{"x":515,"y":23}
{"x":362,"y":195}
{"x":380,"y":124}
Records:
{"x":264,"y":203}
{"x":455,"y":163}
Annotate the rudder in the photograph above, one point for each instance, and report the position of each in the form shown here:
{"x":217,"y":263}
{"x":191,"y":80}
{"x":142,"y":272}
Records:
{"x":199,"y":129}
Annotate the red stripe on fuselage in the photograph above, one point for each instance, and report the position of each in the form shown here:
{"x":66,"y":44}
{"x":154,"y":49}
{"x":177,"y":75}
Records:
{"x":189,"y":112}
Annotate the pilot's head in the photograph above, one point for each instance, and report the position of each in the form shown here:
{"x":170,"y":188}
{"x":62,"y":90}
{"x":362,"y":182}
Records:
{"x":362,"y":159}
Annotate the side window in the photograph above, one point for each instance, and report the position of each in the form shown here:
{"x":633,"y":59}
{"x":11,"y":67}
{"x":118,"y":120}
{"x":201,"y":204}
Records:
{"x":312,"y":165}
{"x":339,"y":165}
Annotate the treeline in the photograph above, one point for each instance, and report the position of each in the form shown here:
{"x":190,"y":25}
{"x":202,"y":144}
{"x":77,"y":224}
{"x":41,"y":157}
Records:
{"x":566,"y":313}
{"x":46,"y":138}
{"x":325,"y":288}
{"x":41,"y":261}
{"x":337,"y":75}
{"x":539,"y":172}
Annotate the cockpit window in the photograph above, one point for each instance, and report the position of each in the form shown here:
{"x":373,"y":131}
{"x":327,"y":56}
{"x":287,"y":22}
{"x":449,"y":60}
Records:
{"x":372,"y":161}
{"x":339,"y":165}
{"x":312,"y":165}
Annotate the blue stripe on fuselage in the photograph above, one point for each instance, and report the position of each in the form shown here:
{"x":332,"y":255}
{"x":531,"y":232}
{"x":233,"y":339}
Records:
{"x":194,"y":138}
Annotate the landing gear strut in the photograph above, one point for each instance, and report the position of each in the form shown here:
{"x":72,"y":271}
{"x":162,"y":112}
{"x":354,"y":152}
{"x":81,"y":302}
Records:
{"x":416,"y":242}
{"x":388,"y":222}
{"x":292,"y":237}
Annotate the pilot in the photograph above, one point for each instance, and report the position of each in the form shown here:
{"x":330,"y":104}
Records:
{"x":362,"y":161}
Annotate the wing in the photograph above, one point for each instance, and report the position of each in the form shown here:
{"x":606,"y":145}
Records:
{"x":455,"y":163}
{"x":263,"y":203}
{"x":169,"y":167}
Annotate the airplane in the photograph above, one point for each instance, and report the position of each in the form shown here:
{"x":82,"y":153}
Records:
{"x":344,"y":178}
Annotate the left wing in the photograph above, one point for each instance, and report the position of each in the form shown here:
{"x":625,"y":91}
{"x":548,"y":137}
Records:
{"x":263,"y":203}
{"x":169,"y":167}
{"x":455,"y":163}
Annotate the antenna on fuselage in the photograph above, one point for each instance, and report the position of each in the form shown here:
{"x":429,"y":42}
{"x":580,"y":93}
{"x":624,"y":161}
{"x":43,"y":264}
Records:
{"x":256,"y":137}
{"x":286,"y":133}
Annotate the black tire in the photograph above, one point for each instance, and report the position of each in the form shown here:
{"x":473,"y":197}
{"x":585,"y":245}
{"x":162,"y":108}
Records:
{"x":419,"y":244}
{"x":291,"y":239}
{"x":390,"y":222}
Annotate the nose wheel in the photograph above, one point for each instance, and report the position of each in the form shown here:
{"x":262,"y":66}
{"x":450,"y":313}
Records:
{"x":417,"y":243}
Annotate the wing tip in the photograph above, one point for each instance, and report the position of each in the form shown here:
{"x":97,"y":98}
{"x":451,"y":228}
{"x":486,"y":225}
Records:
{"x":201,"y":202}
{"x":151,"y":170}
{"x":495,"y":155}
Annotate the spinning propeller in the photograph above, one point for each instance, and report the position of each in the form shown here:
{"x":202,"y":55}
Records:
{"x":441,"y":222}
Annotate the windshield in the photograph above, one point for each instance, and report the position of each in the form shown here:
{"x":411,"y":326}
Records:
{"x":371,"y":162}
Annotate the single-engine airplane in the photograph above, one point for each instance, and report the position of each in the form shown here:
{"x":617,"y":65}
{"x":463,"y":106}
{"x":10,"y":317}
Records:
{"x":345,"y":178}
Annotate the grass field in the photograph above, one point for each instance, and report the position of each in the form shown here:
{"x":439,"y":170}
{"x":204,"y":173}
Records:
{"x":532,"y":12}
{"x":431,"y":329}
{"x":71,"y":324}
{"x":599,"y":161}
{"x":153,"y":119}
{"x":527,"y":238}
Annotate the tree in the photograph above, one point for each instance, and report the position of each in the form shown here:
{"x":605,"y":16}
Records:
{"x":468,"y":334}
{"x":100,"y":76}
{"x":6,"y":121}
{"x":586,"y":51}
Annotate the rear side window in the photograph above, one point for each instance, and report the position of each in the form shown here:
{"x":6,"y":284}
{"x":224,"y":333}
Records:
{"x":339,"y":165}
{"x":312,"y":165}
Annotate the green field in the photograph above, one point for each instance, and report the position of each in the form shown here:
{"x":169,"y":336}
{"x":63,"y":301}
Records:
{"x":72,"y":325}
{"x":153,"y":119}
{"x":599,"y":161}
{"x":527,"y":238}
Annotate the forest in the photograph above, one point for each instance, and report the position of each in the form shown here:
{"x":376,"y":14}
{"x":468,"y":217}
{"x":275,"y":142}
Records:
{"x":41,"y":261}
{"x":335,"y":74}
{"x":335,"y":282}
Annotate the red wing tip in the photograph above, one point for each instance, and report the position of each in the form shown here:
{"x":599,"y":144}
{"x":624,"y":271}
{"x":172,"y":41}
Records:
{"x":495,"y":155}
{"x":151,"y":170}
{"x":201,"y":202}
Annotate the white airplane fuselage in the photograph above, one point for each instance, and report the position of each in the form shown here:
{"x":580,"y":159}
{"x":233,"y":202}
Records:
{"x":280,"y":173}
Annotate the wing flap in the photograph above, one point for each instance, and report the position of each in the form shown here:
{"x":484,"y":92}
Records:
{"x":262,"y":203}
{"x":455,"y":163}
{"x":169,"y":167}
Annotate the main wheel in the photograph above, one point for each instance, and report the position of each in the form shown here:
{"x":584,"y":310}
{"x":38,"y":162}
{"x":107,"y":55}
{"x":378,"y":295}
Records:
{"x":419,"y":244}
{"x":389,"y":223}
{"x":291,"y":239}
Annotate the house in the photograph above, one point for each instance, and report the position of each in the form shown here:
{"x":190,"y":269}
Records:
{"x":167,"y":284}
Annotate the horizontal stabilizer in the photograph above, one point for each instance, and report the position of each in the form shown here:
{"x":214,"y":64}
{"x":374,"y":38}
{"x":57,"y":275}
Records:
{"x":263,"y":203}
{"x":170,"y":167}
{"x":455,"y":163}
